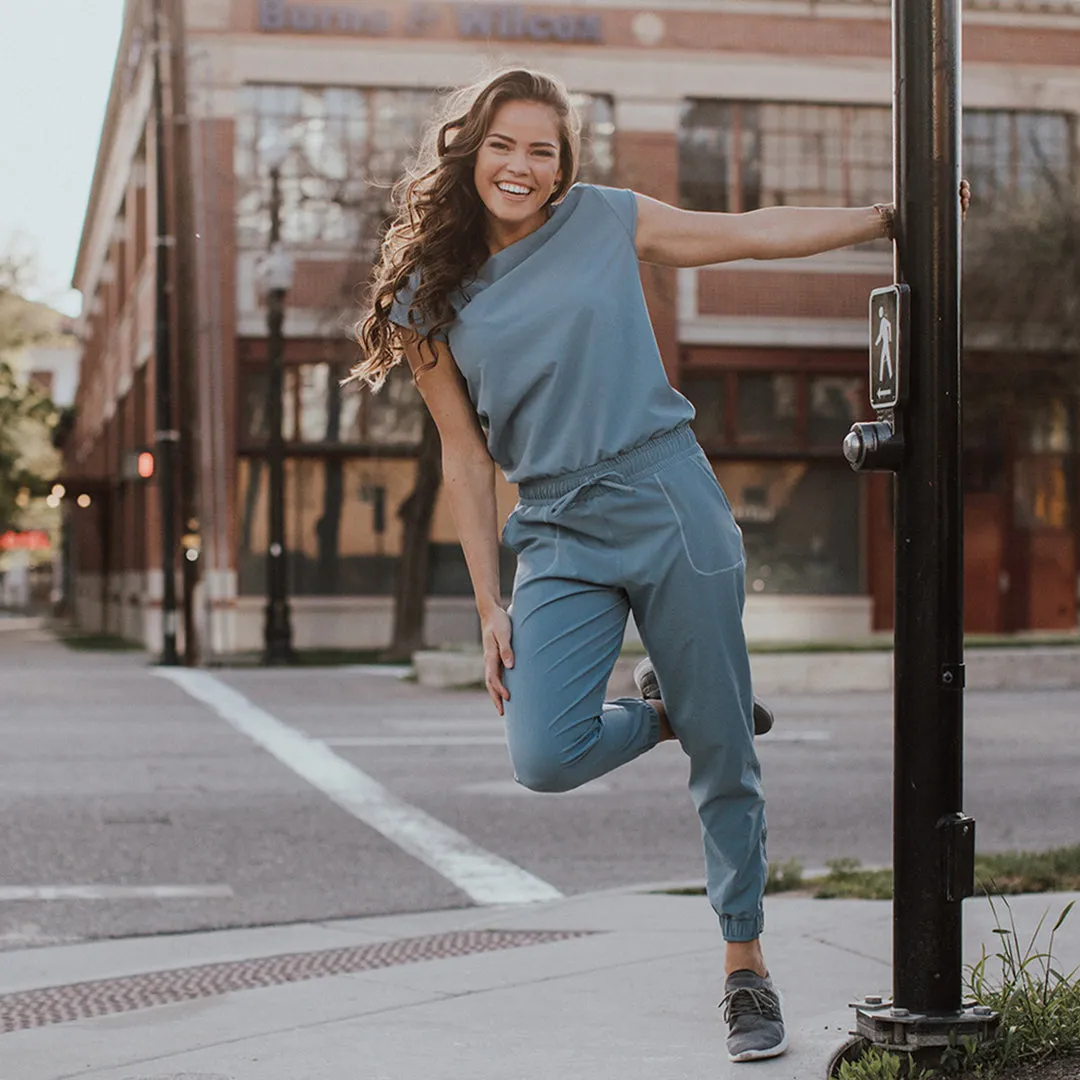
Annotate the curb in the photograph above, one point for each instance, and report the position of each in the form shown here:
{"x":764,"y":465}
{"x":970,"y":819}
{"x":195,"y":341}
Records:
{"x":1035,"y":668}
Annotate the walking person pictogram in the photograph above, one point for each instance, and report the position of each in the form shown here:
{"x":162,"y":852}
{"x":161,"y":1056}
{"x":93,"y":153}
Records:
{"x":884,"y":339}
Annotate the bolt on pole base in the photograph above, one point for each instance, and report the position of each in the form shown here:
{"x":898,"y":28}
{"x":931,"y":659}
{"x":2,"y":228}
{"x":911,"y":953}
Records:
{"x":891,"y":1028}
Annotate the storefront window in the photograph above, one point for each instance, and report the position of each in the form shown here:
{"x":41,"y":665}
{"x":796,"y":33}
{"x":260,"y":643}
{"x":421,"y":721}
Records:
{"x":709,"y":397}
{"x":316,"y":409}
{"x":775,"y":411}
{"x":835,"y":403}
{"x":767,"y":407}
{"x":342,"y":530}
{"x":800,"y":524}
{"x":1041,"y":492}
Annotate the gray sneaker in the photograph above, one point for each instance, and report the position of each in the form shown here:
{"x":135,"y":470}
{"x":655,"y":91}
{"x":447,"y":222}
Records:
{"x":649,"y":687}
{"x":752,"y":1013}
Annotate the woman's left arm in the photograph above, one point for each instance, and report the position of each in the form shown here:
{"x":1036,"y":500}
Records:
{"x":674,"y":237}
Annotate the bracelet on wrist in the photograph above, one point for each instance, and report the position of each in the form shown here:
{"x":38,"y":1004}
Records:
{"x":887,"y":213}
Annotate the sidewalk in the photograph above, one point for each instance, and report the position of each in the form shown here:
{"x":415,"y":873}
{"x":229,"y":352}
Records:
{"x":633,"y":996}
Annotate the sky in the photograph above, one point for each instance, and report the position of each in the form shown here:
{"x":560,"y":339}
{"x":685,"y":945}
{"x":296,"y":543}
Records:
{"x":56,"y":61}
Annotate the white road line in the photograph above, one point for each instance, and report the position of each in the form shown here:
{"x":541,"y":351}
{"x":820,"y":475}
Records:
{"x":114,"y":892}
{"x":484,"y":877}
{"x":415,"y":740}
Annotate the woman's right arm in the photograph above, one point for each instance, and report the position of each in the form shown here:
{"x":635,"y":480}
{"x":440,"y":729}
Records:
{"x":469,"y":476}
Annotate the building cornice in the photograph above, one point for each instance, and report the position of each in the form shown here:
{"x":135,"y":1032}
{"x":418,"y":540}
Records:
{"x":129,"y":89}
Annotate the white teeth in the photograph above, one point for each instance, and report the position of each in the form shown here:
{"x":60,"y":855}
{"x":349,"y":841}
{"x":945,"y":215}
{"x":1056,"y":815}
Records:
{"x":513,"y":189}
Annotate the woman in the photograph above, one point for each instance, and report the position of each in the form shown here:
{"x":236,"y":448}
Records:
{"x":515,"y":295}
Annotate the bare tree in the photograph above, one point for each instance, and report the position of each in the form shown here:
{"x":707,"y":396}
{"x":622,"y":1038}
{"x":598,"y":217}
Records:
{"x":1022,"y":305}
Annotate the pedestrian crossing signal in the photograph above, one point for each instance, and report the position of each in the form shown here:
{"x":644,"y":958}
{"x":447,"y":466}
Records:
{"x":137,"y":464}
{"x":888,"y":344}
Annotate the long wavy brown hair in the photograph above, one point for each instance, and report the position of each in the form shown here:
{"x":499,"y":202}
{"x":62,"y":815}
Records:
{"x":438,"y":232}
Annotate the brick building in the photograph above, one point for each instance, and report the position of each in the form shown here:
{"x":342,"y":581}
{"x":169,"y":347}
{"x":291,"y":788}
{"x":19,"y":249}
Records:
{"x":714,"y":104}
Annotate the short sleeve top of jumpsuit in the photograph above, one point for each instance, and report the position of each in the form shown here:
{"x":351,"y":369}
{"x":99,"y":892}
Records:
{"x":618,"y":511}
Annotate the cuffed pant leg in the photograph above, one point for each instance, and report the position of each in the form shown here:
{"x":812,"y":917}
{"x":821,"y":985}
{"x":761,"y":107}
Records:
{"x":690,"y":617}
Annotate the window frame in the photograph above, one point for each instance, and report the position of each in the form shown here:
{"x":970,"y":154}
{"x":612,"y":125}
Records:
{"x":803,"y":368}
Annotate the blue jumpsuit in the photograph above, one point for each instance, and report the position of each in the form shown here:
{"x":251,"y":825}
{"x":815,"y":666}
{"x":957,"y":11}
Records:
{"x":619,"y":511}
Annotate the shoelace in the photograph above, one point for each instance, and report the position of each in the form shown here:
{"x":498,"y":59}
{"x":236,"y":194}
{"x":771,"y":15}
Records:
{"x":608,"y":480}
{"x":750,"y":999}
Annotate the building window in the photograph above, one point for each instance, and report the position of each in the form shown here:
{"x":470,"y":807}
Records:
{"x":737,"y":155}
{"x":348,"y":146}
{"x":342,"y":530}
{"x":799,"y":525}
{"x":834,"y":403}
{"x":597,"y":113}
{"x":775,"y":412}
{"x":317,"y":410}
{"x":1007,"y":154}
{"x":767,"y":409}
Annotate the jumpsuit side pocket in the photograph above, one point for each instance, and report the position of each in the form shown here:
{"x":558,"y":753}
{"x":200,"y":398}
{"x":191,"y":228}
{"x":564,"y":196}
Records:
{"x":711,"y":538}
{"x":535,"y":542}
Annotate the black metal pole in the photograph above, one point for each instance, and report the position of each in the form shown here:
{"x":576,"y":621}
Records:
{"x":165,"y":436}
{"x":278,"y":648}
{"x":187,"y":324}
{"x":933,"y":844}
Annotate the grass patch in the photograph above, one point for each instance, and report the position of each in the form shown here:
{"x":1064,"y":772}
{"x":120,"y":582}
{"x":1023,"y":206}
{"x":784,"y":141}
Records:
{"x":785,"y":877}
{"x":304,"y":658}
{"x":884,"y":643}
{"x":1012,"y":872}
{"x":847,"y":879}
{"x":88,"y":642}
{"x":1005,"y":874}
{"x":1039,"y":1008}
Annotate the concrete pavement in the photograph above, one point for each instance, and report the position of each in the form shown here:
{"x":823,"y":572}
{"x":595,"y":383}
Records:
{"x":632,"y":997}
{"x":620,"y":984}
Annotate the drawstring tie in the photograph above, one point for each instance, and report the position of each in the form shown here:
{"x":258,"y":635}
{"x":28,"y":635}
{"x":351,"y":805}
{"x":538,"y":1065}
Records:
{"x":609,"y":480}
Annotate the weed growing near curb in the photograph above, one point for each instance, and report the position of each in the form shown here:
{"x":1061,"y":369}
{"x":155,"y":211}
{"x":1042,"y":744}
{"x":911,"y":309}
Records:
{"x":784,"y":877}
{"x":875,"y":1064}
{"x":1039,"y":1008}
{"x":1038,"y":1002}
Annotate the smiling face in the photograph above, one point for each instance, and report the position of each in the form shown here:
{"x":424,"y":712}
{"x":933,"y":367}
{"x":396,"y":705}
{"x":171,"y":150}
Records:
{"x":518,"y":168}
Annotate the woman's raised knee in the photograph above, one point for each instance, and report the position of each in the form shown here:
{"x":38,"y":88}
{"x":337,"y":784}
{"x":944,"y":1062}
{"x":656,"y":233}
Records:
{"x":557,"y":759}
{"x":549,"y":777}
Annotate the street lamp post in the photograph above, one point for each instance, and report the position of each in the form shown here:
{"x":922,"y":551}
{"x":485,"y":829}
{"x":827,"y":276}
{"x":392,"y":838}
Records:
{"x":276,"y":271}
{"x":166,"y":436}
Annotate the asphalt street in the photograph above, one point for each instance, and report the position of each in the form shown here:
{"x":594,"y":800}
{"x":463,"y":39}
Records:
{"x":163,"y":816}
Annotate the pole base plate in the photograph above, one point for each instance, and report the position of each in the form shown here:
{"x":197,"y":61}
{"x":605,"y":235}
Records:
{"x":881,"y":1023}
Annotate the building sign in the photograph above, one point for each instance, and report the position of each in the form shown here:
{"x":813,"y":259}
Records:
{"x":31,"y":540}
{"x":499,"y":22}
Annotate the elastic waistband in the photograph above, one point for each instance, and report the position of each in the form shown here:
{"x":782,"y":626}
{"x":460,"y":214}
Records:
{"x":629,"y":465}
